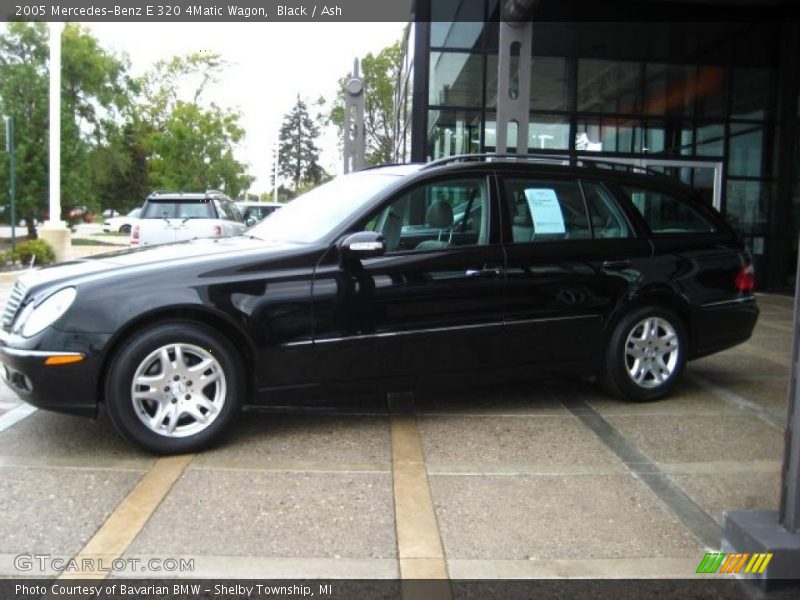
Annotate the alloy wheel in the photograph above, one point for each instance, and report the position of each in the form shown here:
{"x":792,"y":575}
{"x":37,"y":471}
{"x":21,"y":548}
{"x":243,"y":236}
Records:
{"x":178,"y":390}
{"x":651,"y":352}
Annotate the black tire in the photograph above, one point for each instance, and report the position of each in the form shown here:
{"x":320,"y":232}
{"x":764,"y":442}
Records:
{"x":657,"y":372}
{"x":125,"y":229}
{"x":218,"y":401}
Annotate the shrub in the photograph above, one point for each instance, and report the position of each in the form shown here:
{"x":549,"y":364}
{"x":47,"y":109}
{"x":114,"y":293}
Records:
{"x":40,"y":249}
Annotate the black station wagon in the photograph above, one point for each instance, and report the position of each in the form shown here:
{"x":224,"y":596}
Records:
{"x":472,"y":267}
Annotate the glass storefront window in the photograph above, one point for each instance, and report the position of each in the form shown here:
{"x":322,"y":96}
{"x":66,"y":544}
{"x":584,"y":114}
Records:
{"x":464,"y":35}
{"x":669,"y":89}
{"x":751,"y":93}
{"x":456,"y":79}
{"x":709,"y":92}
{"x":746,"y":151}
{"x":608,"y":86}
{"x":747,"y":206}
{"x":548,"y":133}
{"x":654,"y":138}
{"x":452,"y":132}
{"x":608,"y":134}
{"x":710,"y":140}
{"x":549,"y":83}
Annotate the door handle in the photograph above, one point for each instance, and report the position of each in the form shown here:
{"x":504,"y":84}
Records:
{"x":616,"y":265}
{"x":485,"y":272}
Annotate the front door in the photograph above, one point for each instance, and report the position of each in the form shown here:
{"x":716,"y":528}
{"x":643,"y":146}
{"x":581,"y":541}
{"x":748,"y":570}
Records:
{"x":433,"y":303}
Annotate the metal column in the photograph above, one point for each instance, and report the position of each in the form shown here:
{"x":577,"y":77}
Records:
{"x":789,"y":513}
{"x":514,"y":74}
{"x":514,"y":85}
{"x":355,"y":142}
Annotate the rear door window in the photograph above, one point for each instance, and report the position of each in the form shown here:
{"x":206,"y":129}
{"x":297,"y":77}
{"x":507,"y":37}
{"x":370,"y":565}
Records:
{"x":544,"y":210}
{"x":608,"y":220}
{"x":666,"y":214}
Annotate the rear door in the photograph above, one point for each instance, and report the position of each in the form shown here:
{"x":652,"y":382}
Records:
{"x":572,"y":256}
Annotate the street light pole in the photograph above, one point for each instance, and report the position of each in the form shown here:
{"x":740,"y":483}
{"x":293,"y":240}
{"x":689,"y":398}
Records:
{"x":12,"y":179}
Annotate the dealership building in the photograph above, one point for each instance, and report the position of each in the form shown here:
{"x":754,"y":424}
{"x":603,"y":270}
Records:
{"x":706,"y":92}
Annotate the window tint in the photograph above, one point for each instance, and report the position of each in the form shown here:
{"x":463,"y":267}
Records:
{"x":608,"y":220}
{"x":178,"y":210}
{"x":666,"y":214}
{"x":435,"y":215}
{"x":546,"y":210}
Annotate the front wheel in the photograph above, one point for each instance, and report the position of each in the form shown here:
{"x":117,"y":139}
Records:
{"x":174,"y":388}
{"x":646,"y":355}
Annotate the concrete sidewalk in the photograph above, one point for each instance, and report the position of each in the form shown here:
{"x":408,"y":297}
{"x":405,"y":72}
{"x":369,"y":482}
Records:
{"x":547,"y":479}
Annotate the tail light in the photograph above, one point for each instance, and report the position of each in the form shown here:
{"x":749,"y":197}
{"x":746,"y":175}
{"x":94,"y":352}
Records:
{"x":217,"y":230}
{"x":745,"y":280}
{"x":135,"y":236}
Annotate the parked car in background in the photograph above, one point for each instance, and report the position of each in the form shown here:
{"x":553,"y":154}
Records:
{"x":178,"y":216}
{"x":253,"y":212}
{"x":80,"y":214}
{"x":374,"y":280}
{"x":122,"y":224}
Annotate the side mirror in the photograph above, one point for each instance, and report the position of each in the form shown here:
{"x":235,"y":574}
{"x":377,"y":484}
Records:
{"x":364,"y":244}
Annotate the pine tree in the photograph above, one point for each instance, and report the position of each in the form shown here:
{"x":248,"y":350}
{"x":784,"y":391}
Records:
{"x":298,"y":158}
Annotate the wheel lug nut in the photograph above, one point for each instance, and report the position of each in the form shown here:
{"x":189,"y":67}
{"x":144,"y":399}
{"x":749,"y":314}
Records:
{"x":166,"y":388}
{"x":174,"y":400}
{"x":188,"y":383}
{"x":188,"y":397}
{"x":176,"y":377}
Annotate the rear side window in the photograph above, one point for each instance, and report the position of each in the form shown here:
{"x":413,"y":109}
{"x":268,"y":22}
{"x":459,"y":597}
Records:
{"x":178,"y":210}
{"x":546,"y":210}
{"x":608,"y":220}
{"x":666,"y":214}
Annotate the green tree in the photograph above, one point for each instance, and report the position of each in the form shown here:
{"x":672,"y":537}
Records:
{"x":188,"y":145}
{"x":298,"y":154}
{"x":192,"y":151}
{"x":23,"y":90}
{"x":380,"y":73}
{"x":93,"y":91}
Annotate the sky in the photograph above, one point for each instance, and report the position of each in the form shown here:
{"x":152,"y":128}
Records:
{"x":268,"y":65}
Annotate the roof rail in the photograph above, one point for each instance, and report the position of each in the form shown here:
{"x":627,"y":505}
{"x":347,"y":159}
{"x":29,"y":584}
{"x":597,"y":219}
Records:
{"x":559,"y":159}
{"x":489,"y":156}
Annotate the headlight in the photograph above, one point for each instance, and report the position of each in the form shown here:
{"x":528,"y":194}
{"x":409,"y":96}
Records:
{"x":35,"y":318}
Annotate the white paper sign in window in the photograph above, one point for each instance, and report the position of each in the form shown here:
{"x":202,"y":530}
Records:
{"x":545,"y":210}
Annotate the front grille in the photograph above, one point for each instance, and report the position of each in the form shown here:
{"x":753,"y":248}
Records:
{"x":13,"y":303}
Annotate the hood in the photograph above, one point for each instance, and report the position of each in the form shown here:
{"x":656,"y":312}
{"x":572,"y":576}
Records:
{"x":164,"y":256}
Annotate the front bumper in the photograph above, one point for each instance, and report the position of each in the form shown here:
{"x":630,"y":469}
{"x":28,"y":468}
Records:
{"x":69,"y":388}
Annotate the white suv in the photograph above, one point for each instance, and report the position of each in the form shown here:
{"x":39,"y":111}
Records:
{"x":177,"y":216}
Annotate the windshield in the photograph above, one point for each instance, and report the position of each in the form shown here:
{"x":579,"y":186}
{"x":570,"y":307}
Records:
{"x":311,"y":216}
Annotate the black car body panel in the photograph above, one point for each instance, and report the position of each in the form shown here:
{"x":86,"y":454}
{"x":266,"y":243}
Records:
{"x":301,"y":317}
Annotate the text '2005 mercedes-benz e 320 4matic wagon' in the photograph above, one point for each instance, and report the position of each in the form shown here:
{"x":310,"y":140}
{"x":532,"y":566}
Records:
{"x":466,"y":267}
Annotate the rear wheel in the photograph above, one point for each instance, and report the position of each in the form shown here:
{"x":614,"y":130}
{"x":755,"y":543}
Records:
{"x":174,"y":388}
{"x":646,"y":355}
